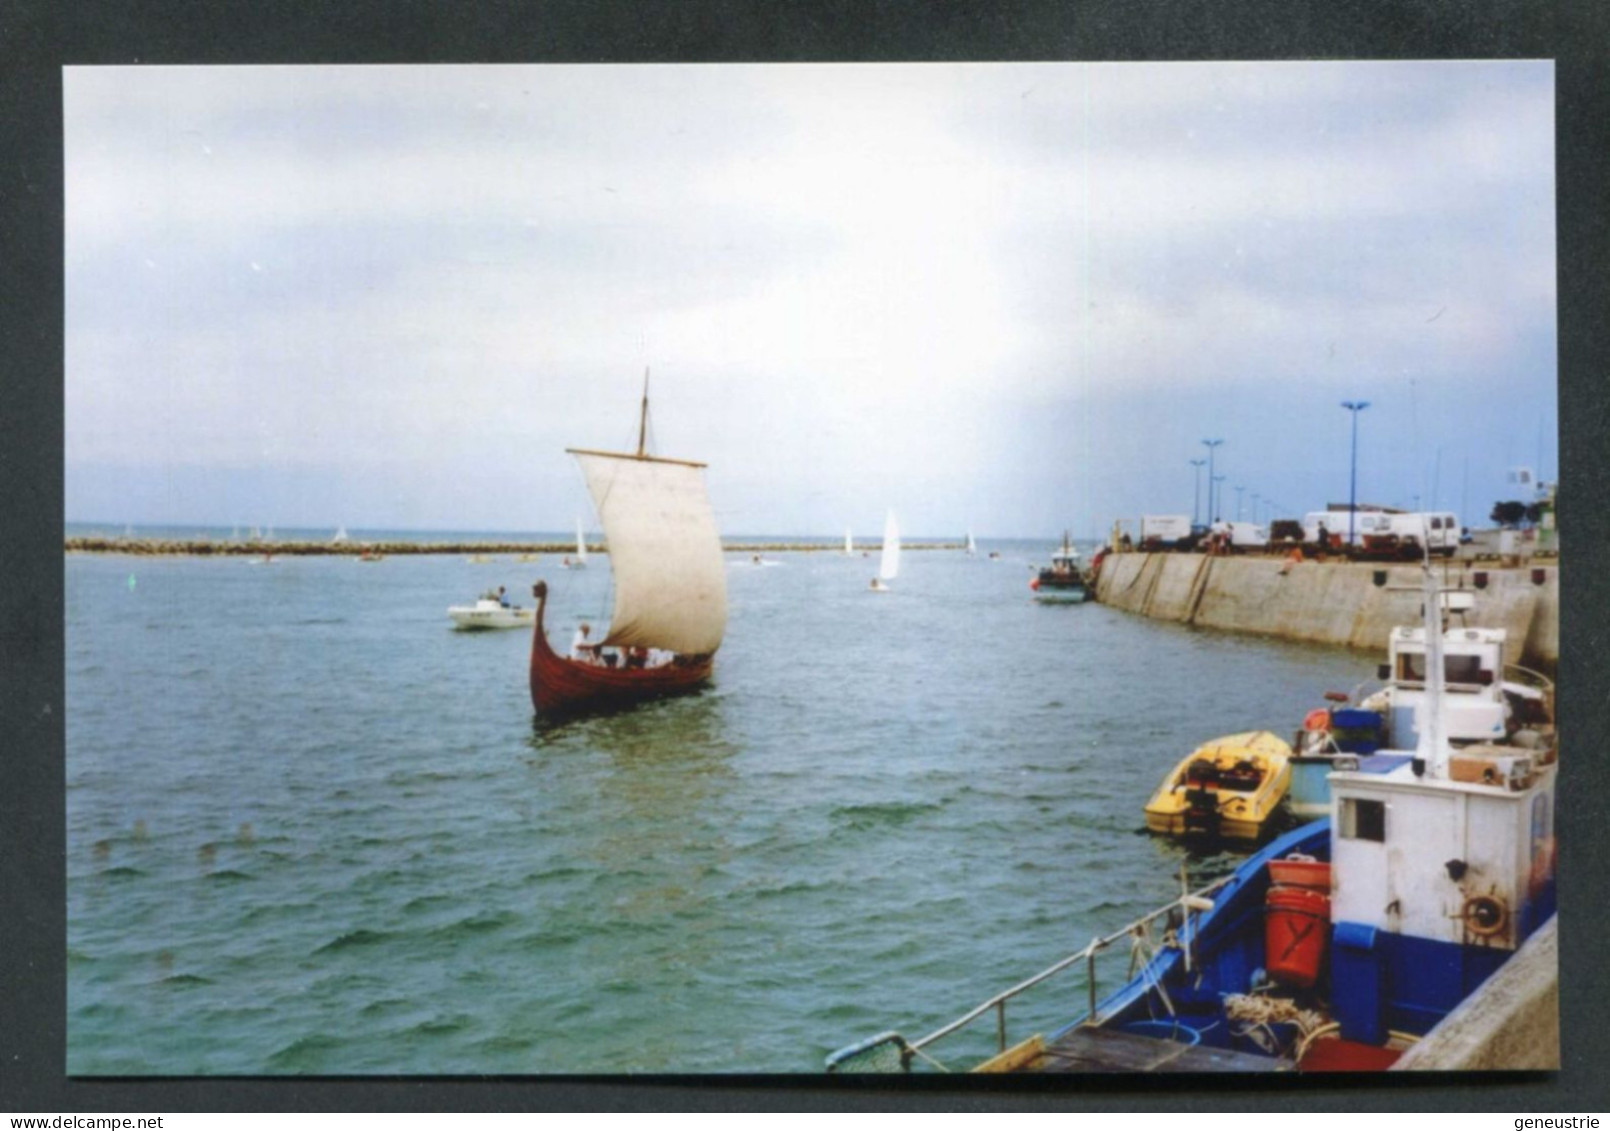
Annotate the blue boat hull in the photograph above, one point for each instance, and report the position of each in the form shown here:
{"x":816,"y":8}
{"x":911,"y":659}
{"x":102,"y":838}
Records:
{"x":1374,"y":982}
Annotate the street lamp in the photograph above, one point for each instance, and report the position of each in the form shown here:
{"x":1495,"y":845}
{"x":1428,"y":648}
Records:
{"x":1354,"y":407}
{"x":1210,"y":445}
{"x":1238,"y":491}
{"x":1196,"y":490}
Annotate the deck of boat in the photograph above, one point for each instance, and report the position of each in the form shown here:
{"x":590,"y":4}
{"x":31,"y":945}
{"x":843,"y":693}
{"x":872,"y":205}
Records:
{"x":1108,"y":1050}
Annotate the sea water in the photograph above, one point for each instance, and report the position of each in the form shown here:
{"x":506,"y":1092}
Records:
{"x":313,"y":829}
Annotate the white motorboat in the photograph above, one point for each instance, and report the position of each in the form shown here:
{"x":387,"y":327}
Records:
{"x":490,"y":612}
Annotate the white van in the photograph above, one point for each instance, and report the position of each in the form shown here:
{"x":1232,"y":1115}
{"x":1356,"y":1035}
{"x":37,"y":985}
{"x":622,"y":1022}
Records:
{"x":1438,"y":530}
{"x":1364,"y":523}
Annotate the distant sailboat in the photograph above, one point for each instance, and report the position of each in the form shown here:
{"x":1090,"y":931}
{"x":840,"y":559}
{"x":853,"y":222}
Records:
{"x":972,"y":547}
{"x":849,"y":546}
{"x":889,"y":561}
{"x":670,"y":585}
{"x":340,"y":536}
{"x":581,"y":549}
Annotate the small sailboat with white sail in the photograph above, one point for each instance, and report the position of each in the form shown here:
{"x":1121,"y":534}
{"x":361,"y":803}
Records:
{"x":889,"y":560}
{"x":670,"y":607}
{"x":580,"y":560}
{"x":849,"y":544}
{"x":972,"y":546}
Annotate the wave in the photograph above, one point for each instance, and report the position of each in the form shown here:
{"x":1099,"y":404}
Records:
{"x":361,"y":937}
{"x":884,"y":813}
{"x":228,"y":875}
{"x":304,"y":1054}
{"x":476,"y":924}
{"x":185,"y":980}
{"x":436,"y":1026}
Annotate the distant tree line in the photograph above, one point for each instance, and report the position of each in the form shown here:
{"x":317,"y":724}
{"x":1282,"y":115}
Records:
{"x":1514,"y":514}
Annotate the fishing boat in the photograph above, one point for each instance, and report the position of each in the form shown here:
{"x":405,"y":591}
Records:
{"x":1484,"y":703}
{"x":1360,"y":942}
{"x":889,"y":560}
{"x":1230,"y":789}
{"x":1063,"y":582}
{"x":669,"y":581}
{"x":490,"y":611}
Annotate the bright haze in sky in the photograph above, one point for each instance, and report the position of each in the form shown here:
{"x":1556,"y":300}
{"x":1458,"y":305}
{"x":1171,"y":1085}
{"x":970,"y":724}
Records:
{"x":1006,"y":297}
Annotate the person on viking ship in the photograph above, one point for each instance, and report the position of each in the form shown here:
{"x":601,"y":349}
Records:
{"x":583,"y":649}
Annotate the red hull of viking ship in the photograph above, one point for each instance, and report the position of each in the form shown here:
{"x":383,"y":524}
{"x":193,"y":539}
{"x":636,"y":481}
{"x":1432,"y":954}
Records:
{"x":564,"y":686}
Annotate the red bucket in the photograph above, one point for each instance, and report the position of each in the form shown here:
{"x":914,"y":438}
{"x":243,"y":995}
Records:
{"x":1296,"y":930}
{"x":1300,"y":872}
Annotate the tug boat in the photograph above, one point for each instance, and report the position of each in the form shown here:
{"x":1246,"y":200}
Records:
{"x":1360,"y":942}
{"x":1063,"y":582}
{"x":1229,"y":788}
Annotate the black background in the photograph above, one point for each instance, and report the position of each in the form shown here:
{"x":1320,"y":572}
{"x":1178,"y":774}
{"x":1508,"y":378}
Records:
{"x":39,"y":37}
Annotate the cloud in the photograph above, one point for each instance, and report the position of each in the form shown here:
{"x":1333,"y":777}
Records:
{"x":885,"y":274}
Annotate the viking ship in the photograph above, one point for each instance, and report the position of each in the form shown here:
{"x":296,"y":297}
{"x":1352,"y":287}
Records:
{"x":670,"y":608}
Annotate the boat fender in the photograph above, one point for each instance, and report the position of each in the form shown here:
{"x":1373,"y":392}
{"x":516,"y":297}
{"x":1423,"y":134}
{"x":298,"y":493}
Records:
{"x":1035,"y":585}
{"x":1317,"y":719}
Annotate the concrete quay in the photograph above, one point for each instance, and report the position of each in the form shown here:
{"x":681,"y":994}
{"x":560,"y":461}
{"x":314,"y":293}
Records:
{"x":1332,"y":602}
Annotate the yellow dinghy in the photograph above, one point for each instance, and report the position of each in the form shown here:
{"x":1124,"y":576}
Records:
{"x":1229,"y":788}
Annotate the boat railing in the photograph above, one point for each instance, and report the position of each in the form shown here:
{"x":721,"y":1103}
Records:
{"x":1514,"y":673}
{"x":890,"y":1052}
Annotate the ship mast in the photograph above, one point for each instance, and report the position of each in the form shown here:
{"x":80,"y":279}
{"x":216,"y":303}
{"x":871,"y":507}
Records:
{"x":642,"y":425}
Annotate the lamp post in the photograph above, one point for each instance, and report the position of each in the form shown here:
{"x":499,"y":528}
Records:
{"x":1210,"y":445}
{"x":1196,"y":490}
{"x":1255,"y":506}
{"x":1238,"y":491}
{"x":1354,"y":407}
{"x":1212,"y":479}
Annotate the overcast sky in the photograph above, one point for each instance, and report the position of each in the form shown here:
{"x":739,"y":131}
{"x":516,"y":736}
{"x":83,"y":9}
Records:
{"x":1007,"y":297}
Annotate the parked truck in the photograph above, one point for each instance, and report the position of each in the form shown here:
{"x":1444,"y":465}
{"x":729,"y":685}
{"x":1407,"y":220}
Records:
{"x":1166,"y":532}
{"x":1383,"y":534}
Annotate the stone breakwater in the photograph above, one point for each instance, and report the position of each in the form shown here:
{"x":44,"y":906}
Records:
{"x":205,"y":548}
{"x":1332,"y":602}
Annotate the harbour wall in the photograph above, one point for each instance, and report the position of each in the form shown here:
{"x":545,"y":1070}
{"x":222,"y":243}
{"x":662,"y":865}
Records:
{"x":1330,"y":602}
{"x":201,"y":547}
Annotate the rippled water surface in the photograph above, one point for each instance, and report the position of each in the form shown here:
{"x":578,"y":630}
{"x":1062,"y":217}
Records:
{"x":311,"y":829}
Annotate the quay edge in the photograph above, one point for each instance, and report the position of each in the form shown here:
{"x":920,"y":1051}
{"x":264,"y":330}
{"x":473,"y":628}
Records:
{"x":1331,"y":602}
